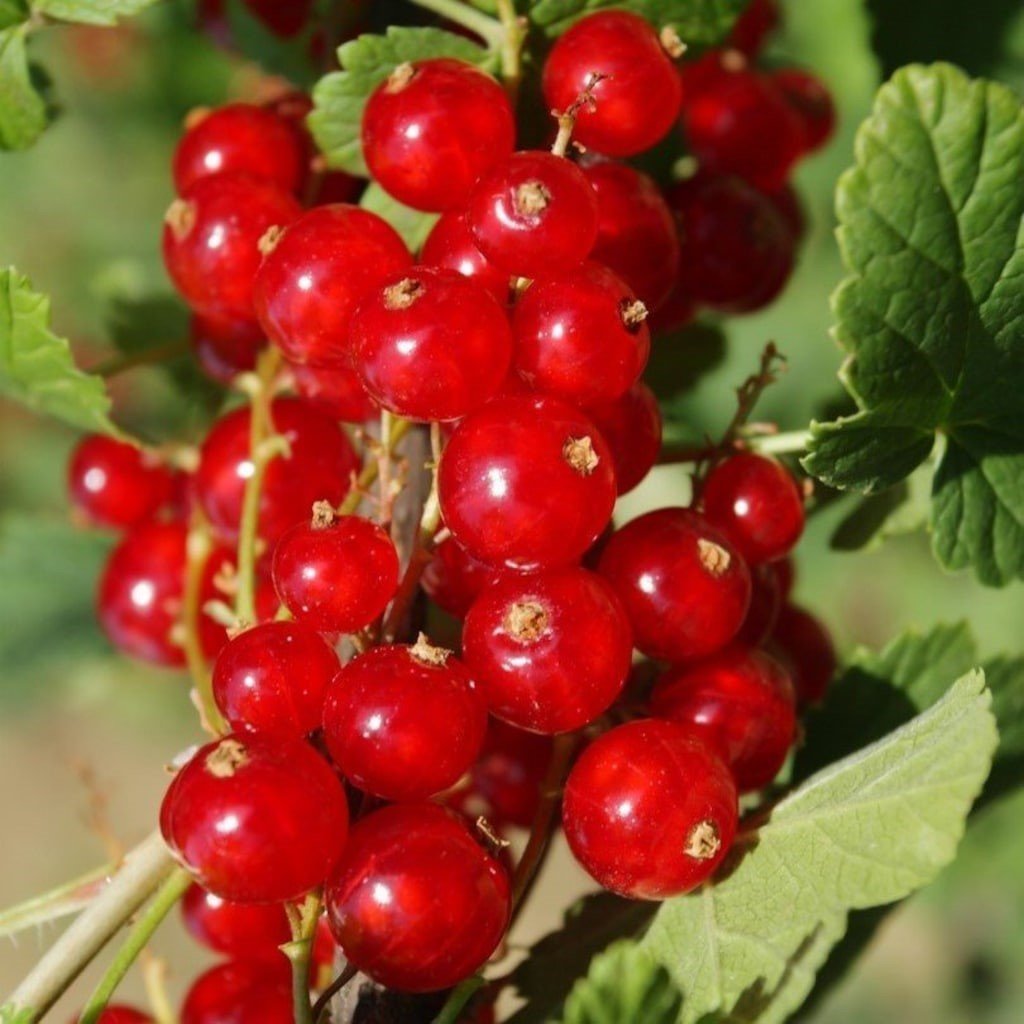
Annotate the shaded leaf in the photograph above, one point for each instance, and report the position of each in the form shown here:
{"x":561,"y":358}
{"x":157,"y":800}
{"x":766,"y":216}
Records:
{"x":12,"y":12}
{"x":412,"y":225}
{"x":698,"y":22}
{"x":91,"y":12}
{"x":23,"y":114}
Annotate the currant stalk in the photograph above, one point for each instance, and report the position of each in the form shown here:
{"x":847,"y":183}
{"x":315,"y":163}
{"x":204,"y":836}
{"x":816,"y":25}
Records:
{"x":299,"y":951}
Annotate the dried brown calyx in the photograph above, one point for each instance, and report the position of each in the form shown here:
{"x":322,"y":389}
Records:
{"x":181,"y":218}
{"x":400,"y":78}
{"x":633,"y":314}
{"x":579,"y":453}
{"x":323,"y":515}
{"x":704,"y":841}
{"x":226,"y":758}
{"x":426,"y":653}
{"x":526,"y":621}
{"x":713,"y":557}
{"x":403,"y":294}
{"x":532,"y":198}
{"x":269,"y":239}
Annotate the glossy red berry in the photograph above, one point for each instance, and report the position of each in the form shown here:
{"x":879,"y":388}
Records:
{"x":804,"y":645}
{"x":336,"y":391}
{"x":112,"y":483}
{"x":527,"y":483}
{"x":552,"y":651}
{"x":241,"y":992}
{"x":432,"y":128}
{"x":765,"y":604}
{"x":256,"y":819}
{"x":272,"y":679}
{"x":119,"y":1013}
{"x":404,"y":722}
{"x":738,"y":249}
{"x":757,"y":504}
{"x":631,"y":424}
{"x":317,"y":467}
{"x":239,"y":138}
{"x":248,"y":931}
{"x":685,"y":587}
{"x":636,"y":235}
{"x":739,"y":701}
{"x":318,"y":271}
{"x":451,"y":245}
{"x":510,"y":770}
{"x":649,"y":810}
{"x":637,"y":94}
{"x":534,"y":215}
{"x":581,"y":336}
{"x":758,"y":21}
{"x":212,"y":239}
{"x":336,"y":575}
{"x":812,"y":101}
{"x":223,"y":347}
{"x":453,"y":578}
{"x":431,"y":345}
{"x":416,"y":903}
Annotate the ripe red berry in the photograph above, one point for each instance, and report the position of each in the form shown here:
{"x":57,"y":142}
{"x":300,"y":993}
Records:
{"x":404,"y":722}
{"x":756,"y":503}
{"x":212,"y":236}
{"x":685,"y":587}
{"x":316,"y":274}
{"x":765,"y":605}
{"x":637,"y":94}
{"x":115,"y":484}
{"x":239,"y":139}
{"x":453,"y":578}
{"x":317,"y":467}
{"x":256,"y":819}
{"x":631,"y":424}
{"x":753,"y":27}
{"x":636,"y":235}
{"x":272,"y":679}
{"x":118,"y":1013}
{"x":432,"y":128}
{"x":336,"y":391}
{"x":416,"y":903}
{"x":812,"y":101}
{"x":552,"y":651}
{"x":804,"y":645}
{"x":249,"y":931}
{"x":450,"y":245}
{"x":649,"y":810}
{"x":526,"y":482}
{"x":739,"y":701}
{"x":738,"y":249}
{"x":241,"y":992}
{"x":225,"y":347}
{"x":336,"y":575}
{"x":431,"y":345}
{"x":581,"y":336}
{"x":510,"y":770}
{"x":534,"y":215}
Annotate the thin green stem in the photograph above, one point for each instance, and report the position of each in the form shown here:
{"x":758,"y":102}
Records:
{"x":510,"y":47}
{"x":146,"y":357}
{"x":299,"y":951}
{"x":57,"y":903}
{"x":141,"y":932}
{"x":780,"y":444}
{"x":468,"y":17}
{"x":460,"y":996}
{"x":368,"y":476}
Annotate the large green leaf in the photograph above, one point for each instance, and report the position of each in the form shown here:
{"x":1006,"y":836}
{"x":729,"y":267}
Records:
{"x":698,"y":22}
{"x":864,"y":832}
{"x":339,"y":98}
{"x":12,"y":12}
{"x":36,"y":366}
{"x":22,"y":109}
{"x":932,"y":314}
{"x":91,"y":12}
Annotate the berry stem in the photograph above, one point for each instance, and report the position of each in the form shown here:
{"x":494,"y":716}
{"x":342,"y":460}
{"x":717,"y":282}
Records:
{"x":321,"y":1005}
{"x":457,"y":1000}
{"x":145,"y":869}
{"x":59,"y":902}
{"x":123,"y":361}
{"x":167,"y":896}
{"x":299,"y":951}
{"x":786,"y":443}
{"x":510,"y":50}
{"x":154,"y":978}
{"x":462,"y":14}
{"x":368,"y":476}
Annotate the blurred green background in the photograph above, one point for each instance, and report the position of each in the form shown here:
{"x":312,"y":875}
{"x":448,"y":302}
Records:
{"x":81,"y":215}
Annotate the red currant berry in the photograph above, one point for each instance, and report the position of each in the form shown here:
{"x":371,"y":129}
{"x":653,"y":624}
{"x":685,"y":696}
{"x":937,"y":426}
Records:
{"x":552,"y":651}
{"x":336,"y":575}
{"x":636,"y":235}
{"x":535,"y":215}
{"x":650,"y":810}
{"x":510,"y":770}
{"x":785,"y":573}
{"x":637,"y":94}
{"x":336,"y":391}
{"x":225,"y":348}
{"x":241,"y":992}
{"x":115,"y":484}
{"x":685,"y":587}
{"x":118,"y":1013}
{"x":318,"y":466}
{"x":753,"y":27}
{"x":432,"y":345}
{"x":212,"y":240}
{"x":526,"y":482}
{"x":739,"y":701}
{"x":811,"y":100}
{"x":318,"y":271}
{"x":450,"y":245}
{"x":249,"y":931}
{"x":631,"y":424}
{"x":404,"y":722}
{"x":239,"y":139}
{"x":755,"y":502}
{"x":416,"y":903}
{"x":765,"y":605}
{"x":432,"y":128}
{"x":804,"y":645}
{"x":256,"y":819}
{"x":738,"y":249}
{"x":787,"y":202}
{"x":453,"y":578}
{"x":273,"y":678}
{"x":581,"y":336}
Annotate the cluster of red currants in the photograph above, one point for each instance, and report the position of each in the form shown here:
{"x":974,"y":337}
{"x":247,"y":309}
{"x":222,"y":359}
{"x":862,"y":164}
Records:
{"x":523,"y":329}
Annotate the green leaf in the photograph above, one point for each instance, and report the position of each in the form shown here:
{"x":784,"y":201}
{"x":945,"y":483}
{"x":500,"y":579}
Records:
{"x":412,"y":225}
{"x":864,"y":832}
{"x":23,"y":113}
{"x":36,"y":366}
{"x":698,"y":22}
{"x":10,"y":1014}
{"x":339,"y":98}
{"x":624,"y":985}
{"x":877,"y":517}
{"x":91,"y":12}
{"x":932,"y":314}
{"x":12,"y":12}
